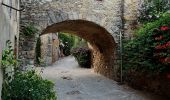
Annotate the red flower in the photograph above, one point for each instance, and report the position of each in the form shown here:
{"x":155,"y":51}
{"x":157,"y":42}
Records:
{"x":162,"y":60}
{"x":159,"y":38}
{"x":164,"y":28}
{"x":164,"y":46}
{"x":158,"y":47}
{"x":168,"y":76}
{"x":167,"y":44}
{"x":167,"y":59}
{"x":161,"y":46}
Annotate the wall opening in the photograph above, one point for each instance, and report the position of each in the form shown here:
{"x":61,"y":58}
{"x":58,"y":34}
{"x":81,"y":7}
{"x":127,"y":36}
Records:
{"x":101,"y":42}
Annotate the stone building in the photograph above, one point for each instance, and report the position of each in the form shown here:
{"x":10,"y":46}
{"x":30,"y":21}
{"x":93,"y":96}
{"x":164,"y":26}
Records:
{"x":35,"y":14}
{"x":49,"y":48}
{"x":97,"y":21}
{"x":9,"y":26}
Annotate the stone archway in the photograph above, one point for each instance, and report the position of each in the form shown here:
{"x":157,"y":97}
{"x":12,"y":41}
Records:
{"x":96,"y":21}
{"x":101,"y":42}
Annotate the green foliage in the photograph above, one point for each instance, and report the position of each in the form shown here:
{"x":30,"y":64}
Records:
{"x":68,"y":41}
{"x":79,"y":43}
{"x":71,"y":41}
{"x":152,"y":10}
{"x":77,"y":47}
{"x":29,"y":30}
{"x":83,"y":56}
{"x":19,"y":85}
{"x":30,"y":86}
{"x":8,"y":59}
{"x":9,"y":66}
{"x":139,"y":53}
{"x":149,"y":27}
{"x":38,"y":50}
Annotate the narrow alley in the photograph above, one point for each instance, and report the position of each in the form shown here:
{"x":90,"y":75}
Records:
{"x":112,"y":41}
{"x":75,"y":83}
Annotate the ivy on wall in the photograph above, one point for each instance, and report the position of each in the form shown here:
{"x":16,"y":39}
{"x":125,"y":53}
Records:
{"x":9,"y":67}
{"x":29,"y":30}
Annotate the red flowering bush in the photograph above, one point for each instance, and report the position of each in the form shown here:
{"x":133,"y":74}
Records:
{"x":149,"y":51}
{"x":163,"y":46}
{"x":163,"y":43}
{"x":159,"y":38}
{"x":147,"y":57}
{"x":168,"y":76}
{"x":164,"y":28}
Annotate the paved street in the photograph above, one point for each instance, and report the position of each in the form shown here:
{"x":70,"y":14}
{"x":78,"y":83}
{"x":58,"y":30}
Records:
{"x":74,"y":83}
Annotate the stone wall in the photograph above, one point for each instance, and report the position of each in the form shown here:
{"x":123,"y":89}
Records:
{"x":32,"y":14}
{"x":27,"y":46}
{"x":102,"y":42}
{"x":55,"y":48}
{"x":9,"y":26}
{"x":49,"y":48}
{"x":110,"y":17}
{"x":106,"y":13}
{"x":131,"y":13}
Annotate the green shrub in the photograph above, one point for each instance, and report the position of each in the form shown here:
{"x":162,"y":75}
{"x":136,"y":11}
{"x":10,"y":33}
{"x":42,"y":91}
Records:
{"x":149,"y":27}
{"x":144,"y":53}
{"x":71,"y":41}
{"x":18,"y":85}
{"x":80,"y":43}
{"x":30,"y":86}
{"x":29,"y":30}
{"x":152,"y":10}
{"x":9,"y":66}
{"x":68,"y":42}
{"x":83,"y":56}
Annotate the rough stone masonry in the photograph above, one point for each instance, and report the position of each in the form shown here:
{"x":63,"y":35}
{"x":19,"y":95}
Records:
{"x":99,"y":22}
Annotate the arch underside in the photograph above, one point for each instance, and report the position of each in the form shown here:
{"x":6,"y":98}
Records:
{"x":101,"y":42}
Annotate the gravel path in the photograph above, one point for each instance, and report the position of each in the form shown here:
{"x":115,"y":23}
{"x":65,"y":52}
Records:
{"x":74,"y":83}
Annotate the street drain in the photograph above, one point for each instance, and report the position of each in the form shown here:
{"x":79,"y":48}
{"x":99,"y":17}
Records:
{"x":66,"y":78}
{"x":73,"y":93}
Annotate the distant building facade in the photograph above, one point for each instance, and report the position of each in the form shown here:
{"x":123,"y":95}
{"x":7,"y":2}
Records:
{"x":35,"y":14}
{"x":50,"y":48}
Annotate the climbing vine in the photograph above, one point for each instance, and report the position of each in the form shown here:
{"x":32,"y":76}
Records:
{"x":29,"y":30}
{"x":8,"y":64}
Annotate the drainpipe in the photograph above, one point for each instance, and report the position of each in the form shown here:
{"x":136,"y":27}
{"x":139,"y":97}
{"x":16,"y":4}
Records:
{"x":18,"y":17}
{"x":11,"y":7}
{"x":121,"y":37}
{"x":52,"y":48}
